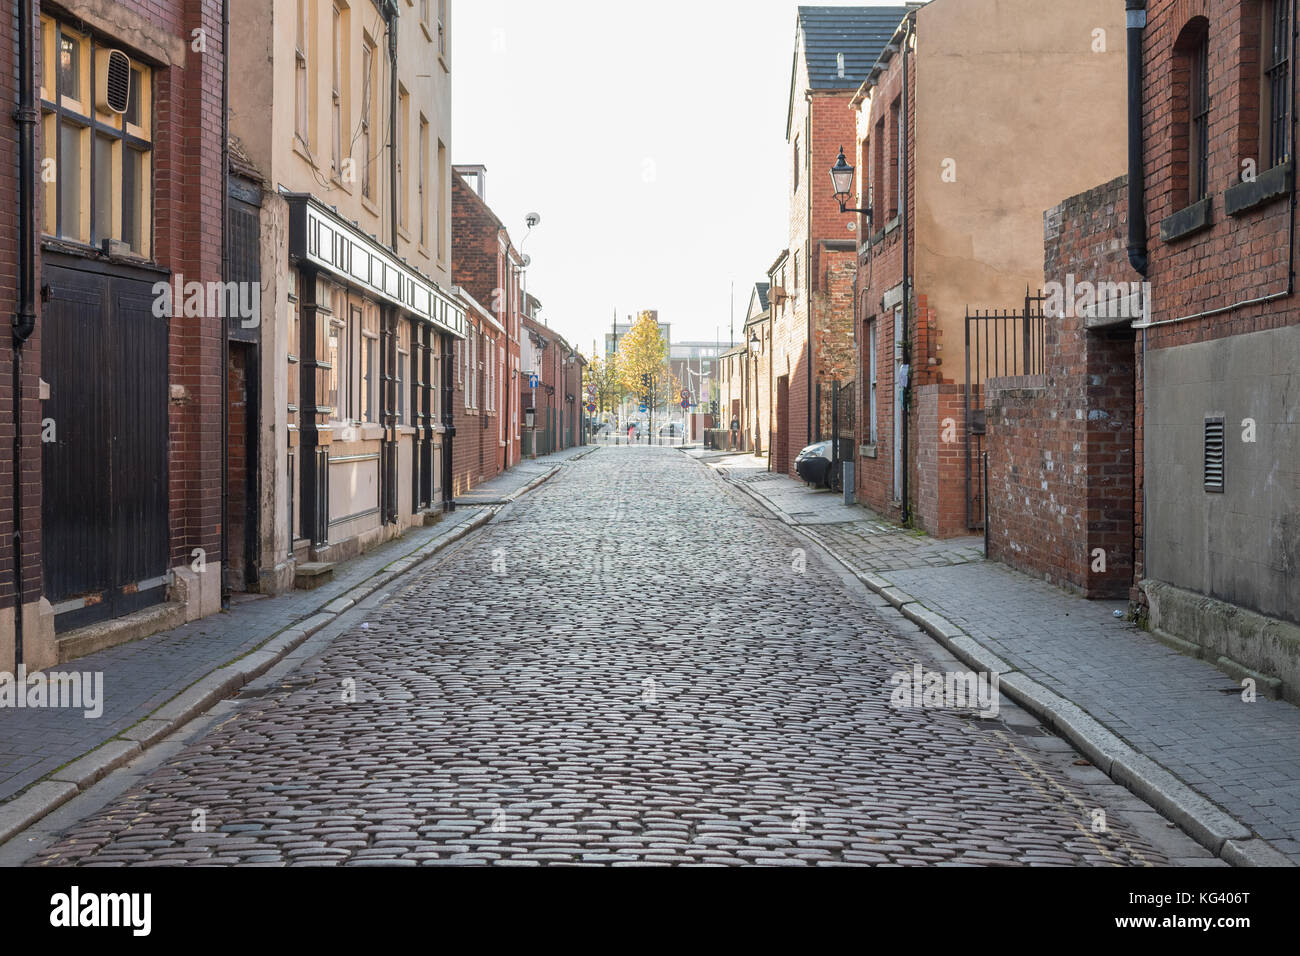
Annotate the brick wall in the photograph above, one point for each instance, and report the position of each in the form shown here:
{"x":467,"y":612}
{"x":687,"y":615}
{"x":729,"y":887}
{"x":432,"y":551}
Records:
{"x":30,"y":455}
{"x":476,"y":449}
{"x":188,"y":187}
{"x":879,"y":271}
{"x":938,"y":453}
{"x":819,"y":277}
{"x":1062,"y":445}
{"x":1239,"y":258}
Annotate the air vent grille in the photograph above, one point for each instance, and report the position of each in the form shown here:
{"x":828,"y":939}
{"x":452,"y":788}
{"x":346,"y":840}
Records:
{"x":1214,"y":453}
{"x":115,"y":85}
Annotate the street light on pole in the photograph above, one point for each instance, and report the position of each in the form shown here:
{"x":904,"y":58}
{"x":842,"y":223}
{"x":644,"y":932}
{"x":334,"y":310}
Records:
{"x":755,"y":348}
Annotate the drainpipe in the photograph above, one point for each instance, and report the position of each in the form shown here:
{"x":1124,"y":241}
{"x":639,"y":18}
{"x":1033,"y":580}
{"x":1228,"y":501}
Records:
{"x":806,"y":279}
{"x":24,"y":320}
{"x":1137,"y":208}
{"x":225,"y":329}
{"x":903,"y":153}
{"x":391,"y":16}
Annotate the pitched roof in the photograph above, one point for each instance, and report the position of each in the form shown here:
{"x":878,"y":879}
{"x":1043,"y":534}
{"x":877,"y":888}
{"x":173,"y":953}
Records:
{"x":859,"y":33}
{"x":761,"y":289}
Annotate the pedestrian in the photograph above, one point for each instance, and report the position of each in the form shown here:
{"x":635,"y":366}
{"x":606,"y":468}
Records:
{"x":735,"y":432}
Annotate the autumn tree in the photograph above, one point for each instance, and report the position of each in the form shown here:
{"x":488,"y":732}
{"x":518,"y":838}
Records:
{"x":604,"y":375}
{"x":644,"y":352}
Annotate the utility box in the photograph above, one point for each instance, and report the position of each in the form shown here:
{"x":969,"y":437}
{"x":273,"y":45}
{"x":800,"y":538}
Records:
{"x":529,"y":416}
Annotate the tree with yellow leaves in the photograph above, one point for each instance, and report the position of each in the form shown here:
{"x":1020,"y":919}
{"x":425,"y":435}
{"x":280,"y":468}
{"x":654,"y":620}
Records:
{"x":643,"y":358}
{"x":608,"y":383}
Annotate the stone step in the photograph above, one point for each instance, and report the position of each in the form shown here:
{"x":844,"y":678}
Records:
{"x":313,"y":574}
{"x":120,"y":630}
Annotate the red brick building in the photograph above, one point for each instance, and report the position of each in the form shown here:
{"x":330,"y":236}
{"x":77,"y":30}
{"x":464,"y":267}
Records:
{"x":130,"y":383}
{"x":955,"y":226}
{"x":811,"y":283}
{"x":1219,"y":352}
{"x":488,"y":270}
{"x":554,"y":402}
{"x":1157,"y":453}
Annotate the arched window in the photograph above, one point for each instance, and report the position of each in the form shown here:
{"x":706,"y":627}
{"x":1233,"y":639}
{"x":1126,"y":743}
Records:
{"x":1190,"y":140}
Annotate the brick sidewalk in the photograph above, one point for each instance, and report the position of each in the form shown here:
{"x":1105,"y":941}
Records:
{"x":142,"y":675}
{"x":1181,"y":712}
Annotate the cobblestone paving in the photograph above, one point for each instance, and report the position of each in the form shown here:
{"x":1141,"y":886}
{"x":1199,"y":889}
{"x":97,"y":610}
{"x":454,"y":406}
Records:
{"x":573,"y":686}
{"x":142,"y":675}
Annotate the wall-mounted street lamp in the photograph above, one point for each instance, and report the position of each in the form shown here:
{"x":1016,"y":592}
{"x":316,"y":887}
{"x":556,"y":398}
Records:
{"x":755,"y":345}
{"x":842,"y":177}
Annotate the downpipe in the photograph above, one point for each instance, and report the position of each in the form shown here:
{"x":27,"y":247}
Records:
{"x":24,"y":320}
{"x":903,"y":157}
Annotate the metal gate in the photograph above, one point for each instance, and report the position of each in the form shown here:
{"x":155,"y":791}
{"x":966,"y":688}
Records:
{"x":998,"y":343}
{"x":841,"y":424}
{"x":104,"y":449}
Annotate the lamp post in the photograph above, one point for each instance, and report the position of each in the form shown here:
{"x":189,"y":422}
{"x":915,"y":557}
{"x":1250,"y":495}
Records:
{"x":842,"y":178}
{"x":755,"y":349}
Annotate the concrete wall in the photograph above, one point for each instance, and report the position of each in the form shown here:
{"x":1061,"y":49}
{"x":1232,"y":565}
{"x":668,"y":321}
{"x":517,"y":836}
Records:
{"x":1241,"y":546}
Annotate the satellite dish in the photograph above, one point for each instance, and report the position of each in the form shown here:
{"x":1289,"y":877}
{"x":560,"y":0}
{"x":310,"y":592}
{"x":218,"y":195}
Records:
{"x":533,"y":219}
{"x":527,"y":261}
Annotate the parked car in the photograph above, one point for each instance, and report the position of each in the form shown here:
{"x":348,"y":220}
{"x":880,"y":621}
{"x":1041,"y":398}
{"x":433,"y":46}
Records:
{"x":813,"y":465}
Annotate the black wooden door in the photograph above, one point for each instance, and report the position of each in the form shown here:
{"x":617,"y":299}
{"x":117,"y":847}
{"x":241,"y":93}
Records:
{"x":104,"y":506}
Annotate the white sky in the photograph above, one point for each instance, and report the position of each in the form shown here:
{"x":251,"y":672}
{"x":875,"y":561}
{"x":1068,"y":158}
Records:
{"x":649,"y":136}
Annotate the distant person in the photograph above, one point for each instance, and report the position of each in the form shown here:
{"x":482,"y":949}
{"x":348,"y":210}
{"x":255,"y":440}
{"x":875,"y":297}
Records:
{"x":735,"y":432}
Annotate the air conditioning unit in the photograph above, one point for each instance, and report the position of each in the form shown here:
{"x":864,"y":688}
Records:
{"x":113,"y":81}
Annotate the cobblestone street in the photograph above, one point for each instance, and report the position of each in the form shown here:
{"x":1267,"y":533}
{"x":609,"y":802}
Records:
{"x":633,"y":664}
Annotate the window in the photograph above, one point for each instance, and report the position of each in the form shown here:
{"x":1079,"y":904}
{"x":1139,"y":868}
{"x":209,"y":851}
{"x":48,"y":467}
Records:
{"x":442,"y":202}
{"x":337,"y":85}
{"x":336,"y":355}
{"x":403,"y":360}
{"x":895,"y":155}
{"x":422,"y":191}
{"x":870,"y":340}
{"x":795,"y":179}
{"x":293,"y":345}
{"x":403,"y":200}
{"x":369,"y":80}
{"x":101,"y":182}
{"x":1189,"y":115}
{"x":442,"y":27}
{"x":369,"y":362}
{"x":898,"y":161}
{"x":1199,"y":158}
{"x":878,"y":176}
{"x":1276,"y":85}
{"x":302,"y":122}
